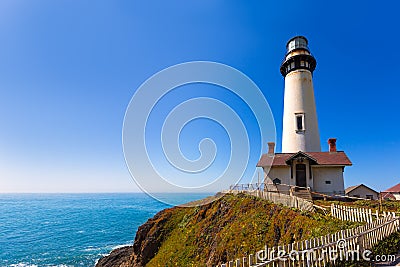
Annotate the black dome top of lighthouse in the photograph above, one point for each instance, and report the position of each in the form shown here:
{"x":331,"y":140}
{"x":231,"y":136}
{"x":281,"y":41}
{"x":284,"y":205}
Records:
{"x":297,"y":42}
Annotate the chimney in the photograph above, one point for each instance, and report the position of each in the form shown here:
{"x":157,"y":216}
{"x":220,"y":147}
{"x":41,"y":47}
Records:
{"x":332,"y":144}
{"x":271,"y":148}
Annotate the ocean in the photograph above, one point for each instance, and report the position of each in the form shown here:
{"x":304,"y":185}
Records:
{"x":71,"y":229}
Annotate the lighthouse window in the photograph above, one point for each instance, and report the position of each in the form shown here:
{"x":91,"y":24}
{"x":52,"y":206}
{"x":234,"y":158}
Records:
{"x":302,"y":63}
{"x":300,"y":122}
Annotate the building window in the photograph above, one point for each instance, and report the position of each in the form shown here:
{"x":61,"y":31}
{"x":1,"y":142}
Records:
{"x":356,"y":196}
{"x":369,"y":196}
{"x":328,"y":182}
{"x":300,"y":122}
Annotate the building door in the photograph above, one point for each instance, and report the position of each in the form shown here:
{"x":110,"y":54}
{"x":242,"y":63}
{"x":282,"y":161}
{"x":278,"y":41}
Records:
{"x":301,"y":175}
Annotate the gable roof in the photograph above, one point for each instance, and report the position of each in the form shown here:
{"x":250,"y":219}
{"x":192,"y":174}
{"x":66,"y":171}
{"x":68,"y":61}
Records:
{"x":338,"y":158}
{"x":300,"y":154}
{"x":394,"y":189}
{"x":351,"y":188}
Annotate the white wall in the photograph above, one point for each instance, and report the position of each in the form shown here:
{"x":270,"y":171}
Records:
{"x":299,"y":98}
{"x":396,"y":196}
{"x":323,"y":174}
{"x":283,"y":173}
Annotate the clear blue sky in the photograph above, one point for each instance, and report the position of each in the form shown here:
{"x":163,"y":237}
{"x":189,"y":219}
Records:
{"x":68,"y":70}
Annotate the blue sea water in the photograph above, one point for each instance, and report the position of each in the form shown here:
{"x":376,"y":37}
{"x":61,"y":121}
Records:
{"x":71,"y":229}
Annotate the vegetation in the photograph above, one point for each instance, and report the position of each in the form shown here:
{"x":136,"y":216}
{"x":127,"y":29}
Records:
{"x":387,"y":246}
{"x":233,"y":227}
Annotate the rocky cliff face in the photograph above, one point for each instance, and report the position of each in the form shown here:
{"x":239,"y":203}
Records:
{"x":119,"y":257}
{"x":150,"y":237}
{"x":229,"y":228}
{"x":148,"y":240}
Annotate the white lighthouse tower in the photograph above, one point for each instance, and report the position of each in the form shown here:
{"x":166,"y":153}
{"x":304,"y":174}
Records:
{"x":300,"y":124}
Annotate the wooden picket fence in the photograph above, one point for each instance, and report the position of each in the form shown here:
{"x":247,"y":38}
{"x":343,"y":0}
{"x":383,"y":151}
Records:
{"x":353,"y":214}
{"x":277,"y":198}
{"x":342,"y":245}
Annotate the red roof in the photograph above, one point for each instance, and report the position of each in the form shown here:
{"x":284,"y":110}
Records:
{"x":386,"y":195}
{"x":394,"y":189}
{"x":338,"y":158}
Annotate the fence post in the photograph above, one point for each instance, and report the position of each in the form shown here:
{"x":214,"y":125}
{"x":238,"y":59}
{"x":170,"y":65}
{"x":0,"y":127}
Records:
{"x":351,"y":214}
{"x":251,"y":262}
{"x":370,"y":215}
{"x":244,"y":262}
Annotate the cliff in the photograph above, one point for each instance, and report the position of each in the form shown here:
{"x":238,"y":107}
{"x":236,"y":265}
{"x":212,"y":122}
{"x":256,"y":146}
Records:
{"x":231,"y":227}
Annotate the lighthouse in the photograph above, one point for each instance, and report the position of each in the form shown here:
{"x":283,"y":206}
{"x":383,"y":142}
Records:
{"x":302,"y":165}
{"x":300,"y":124}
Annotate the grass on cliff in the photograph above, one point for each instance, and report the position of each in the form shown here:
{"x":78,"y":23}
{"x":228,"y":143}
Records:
{"x":233,"y":227}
